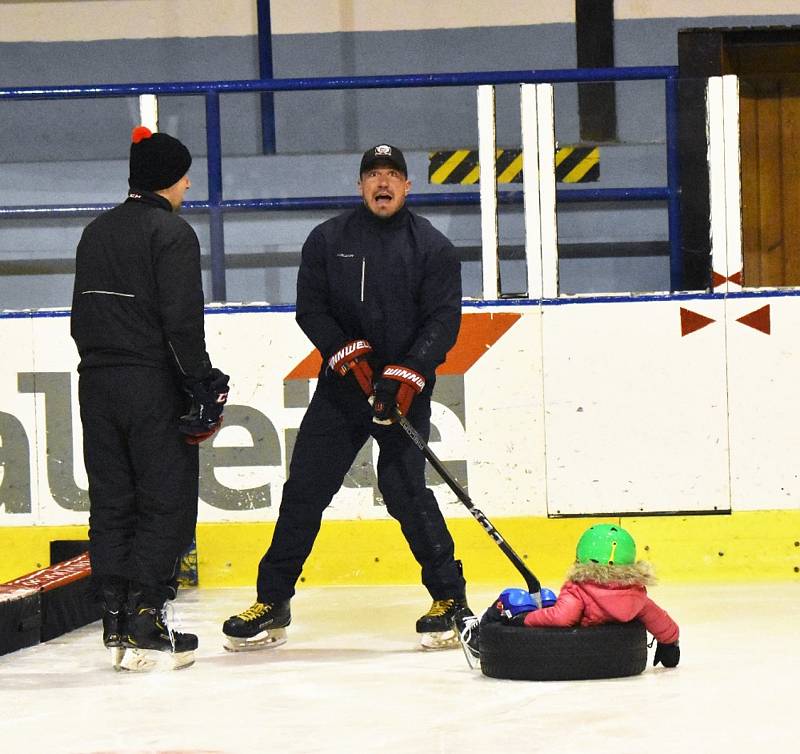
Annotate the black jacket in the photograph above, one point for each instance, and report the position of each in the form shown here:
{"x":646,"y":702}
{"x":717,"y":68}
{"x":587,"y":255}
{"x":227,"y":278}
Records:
{"x":395,"y":282}
{"x":138,"y":296}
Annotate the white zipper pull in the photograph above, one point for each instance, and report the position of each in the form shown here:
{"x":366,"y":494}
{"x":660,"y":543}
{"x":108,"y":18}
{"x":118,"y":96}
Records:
{"x":363,"y":275}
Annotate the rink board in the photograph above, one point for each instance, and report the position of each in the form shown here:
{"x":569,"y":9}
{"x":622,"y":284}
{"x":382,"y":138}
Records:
{"x":627,"y":406}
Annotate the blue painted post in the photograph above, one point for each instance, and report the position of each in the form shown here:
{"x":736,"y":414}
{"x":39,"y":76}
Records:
{"x":674,"y":186}
{"x":265,"y":72}
{"x":215,"y":220}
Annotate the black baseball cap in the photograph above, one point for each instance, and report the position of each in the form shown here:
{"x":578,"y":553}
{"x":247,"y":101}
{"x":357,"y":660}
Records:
{"x":383,"y":154}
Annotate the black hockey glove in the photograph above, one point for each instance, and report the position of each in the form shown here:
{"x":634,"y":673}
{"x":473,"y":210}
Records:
{"x":351,"y":358}
{"x":397,"y":387}
{"x":209,"y":396}
{"x":669,"y":655}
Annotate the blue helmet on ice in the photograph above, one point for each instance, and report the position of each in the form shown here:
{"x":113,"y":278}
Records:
{"x":516,"y":601}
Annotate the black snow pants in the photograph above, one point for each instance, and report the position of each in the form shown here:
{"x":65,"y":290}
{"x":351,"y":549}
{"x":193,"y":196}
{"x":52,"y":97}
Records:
{"x":335,"y":427}
{"x":143,"y":478}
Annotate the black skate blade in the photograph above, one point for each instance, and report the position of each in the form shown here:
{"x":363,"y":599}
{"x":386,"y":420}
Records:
{"x":265,"y":640}
{"x":135,"y":660}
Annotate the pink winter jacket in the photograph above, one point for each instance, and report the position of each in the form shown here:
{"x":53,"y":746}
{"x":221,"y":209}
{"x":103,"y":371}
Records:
{"x":587,"y":603}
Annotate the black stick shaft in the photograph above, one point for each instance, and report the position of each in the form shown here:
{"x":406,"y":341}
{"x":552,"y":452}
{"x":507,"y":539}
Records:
{"x":534,"y":587}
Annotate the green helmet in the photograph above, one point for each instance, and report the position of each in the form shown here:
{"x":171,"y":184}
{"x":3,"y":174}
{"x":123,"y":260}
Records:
{"x":606,"y":544}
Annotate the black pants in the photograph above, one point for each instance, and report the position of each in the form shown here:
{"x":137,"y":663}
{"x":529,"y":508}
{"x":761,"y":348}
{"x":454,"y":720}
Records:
{"x":335,"y":427}
{"x":143,"y":478}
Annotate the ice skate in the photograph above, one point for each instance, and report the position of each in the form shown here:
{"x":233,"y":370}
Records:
{"x":436,"y":626}
{"x":261,"y":626}
{"x":113,"y":624}
{"x":150,"y":643}
{"x":467,"y":628}
{"x":114,"y":620}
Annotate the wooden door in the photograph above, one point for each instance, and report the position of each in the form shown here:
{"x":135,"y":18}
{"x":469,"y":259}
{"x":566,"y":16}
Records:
{"x":767,"y":62}
{"x":770,"y":165}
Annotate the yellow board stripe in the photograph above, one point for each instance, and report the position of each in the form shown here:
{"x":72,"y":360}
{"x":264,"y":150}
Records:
{"x":461,"y":166}
{"x":702,"y":548}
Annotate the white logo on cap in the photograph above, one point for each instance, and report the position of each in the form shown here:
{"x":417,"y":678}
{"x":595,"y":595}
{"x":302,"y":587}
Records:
{"x":383,"y":149}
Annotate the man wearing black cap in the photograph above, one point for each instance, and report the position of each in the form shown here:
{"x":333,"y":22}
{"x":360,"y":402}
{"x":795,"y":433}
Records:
{"x":379,"y":294}
{"x":148,"y":395}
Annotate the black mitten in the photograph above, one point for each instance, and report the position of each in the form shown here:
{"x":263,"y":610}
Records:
{"x":669,"y":655}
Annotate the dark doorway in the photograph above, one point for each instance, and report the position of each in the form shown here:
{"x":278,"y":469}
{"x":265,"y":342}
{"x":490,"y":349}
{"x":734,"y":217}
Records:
{"x":767,"y":62}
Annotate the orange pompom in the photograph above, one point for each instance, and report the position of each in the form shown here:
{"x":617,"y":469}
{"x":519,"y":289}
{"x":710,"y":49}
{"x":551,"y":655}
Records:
{"x":139,"y":133}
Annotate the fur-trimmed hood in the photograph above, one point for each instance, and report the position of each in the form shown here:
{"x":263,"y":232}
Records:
{"x":640,"y":573}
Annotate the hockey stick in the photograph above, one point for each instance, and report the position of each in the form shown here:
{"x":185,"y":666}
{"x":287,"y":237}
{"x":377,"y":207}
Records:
{"x":534,"y":587}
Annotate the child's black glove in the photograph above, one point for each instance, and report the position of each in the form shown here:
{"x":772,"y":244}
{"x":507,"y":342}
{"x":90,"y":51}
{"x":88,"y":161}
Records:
{"x":669,"y":655}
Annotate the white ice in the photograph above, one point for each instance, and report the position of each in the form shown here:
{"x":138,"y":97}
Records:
{"x":351,"y":679}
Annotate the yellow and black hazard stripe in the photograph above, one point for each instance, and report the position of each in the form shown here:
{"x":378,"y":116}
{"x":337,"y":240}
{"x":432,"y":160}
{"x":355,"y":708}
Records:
{"x":573,"y":165}
{"x":577,"y":164}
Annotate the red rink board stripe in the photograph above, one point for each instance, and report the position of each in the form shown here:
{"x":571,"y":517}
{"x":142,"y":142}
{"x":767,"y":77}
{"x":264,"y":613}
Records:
{"x":11,"y":593}
{"x":54,"y":576}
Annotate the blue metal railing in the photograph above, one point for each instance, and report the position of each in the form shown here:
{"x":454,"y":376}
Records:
{"x":216,"y":205}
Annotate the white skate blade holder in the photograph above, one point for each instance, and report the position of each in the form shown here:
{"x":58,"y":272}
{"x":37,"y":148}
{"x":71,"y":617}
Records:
{"x":137,"y":660}
{"x":116,"y":653}
{"x":439,"y":640}
{"x":268,"y":639}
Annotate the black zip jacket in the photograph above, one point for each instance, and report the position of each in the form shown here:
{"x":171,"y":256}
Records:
{"x":395,"y":282}
{"x":138,"y":296}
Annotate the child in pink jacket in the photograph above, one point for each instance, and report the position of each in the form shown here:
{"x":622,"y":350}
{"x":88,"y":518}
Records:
{"x":605,"y":585}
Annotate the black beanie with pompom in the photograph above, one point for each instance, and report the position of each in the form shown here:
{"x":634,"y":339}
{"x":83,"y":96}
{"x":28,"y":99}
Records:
{"x":157,"y":161}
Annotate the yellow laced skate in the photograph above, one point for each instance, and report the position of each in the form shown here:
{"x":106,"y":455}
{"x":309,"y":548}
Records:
{"x":262,"y":625}
{"x":436,"y":627}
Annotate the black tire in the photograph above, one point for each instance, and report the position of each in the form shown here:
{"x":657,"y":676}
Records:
{"x":613,"y":650}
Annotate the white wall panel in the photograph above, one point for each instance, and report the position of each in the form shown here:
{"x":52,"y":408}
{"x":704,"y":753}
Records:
{"x":505,"y":423}
{"x":59,"y":474}
{"x":258,"y":350}
{"x":574,"y":407}
{"x":18,"y":441}
{"x":80,"y":20}
{"x":764,"y":376}
{"x":635,"y":412}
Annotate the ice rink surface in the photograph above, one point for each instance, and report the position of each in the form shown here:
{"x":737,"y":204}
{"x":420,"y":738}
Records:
{"x":351,"y":679}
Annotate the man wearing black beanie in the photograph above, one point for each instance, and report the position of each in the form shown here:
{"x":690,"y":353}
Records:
{"x":148,"y":395}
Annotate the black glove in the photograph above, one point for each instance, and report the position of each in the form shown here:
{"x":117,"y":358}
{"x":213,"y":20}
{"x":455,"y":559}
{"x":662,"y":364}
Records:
{"x":396,"y":388}
{"x":669,"y":655}
{"x":209,"y":396}
{"x":351,"y":358}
